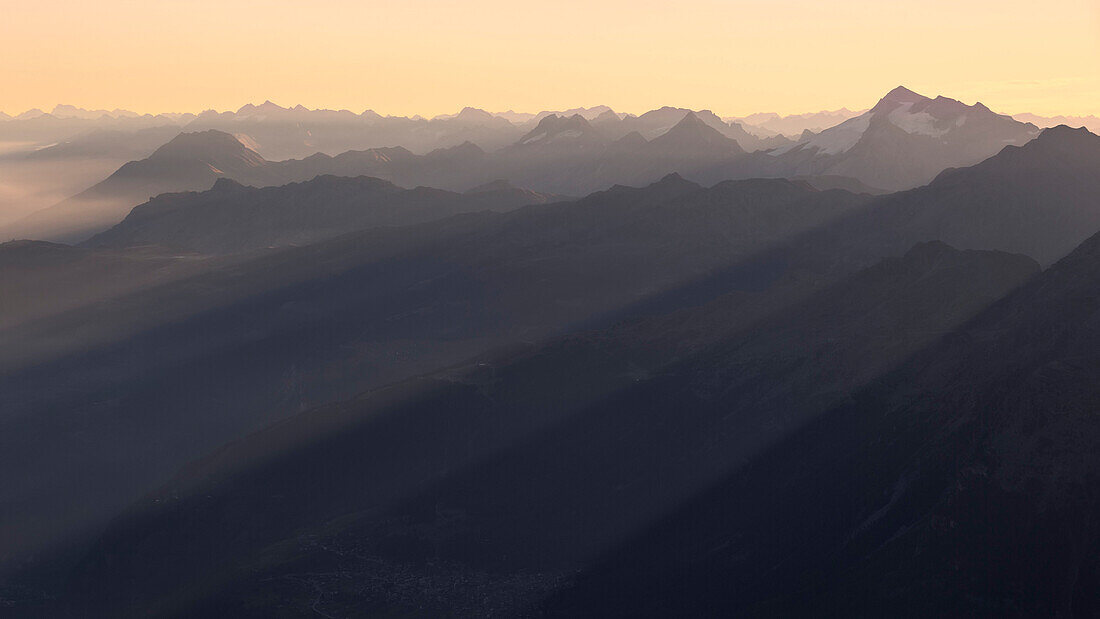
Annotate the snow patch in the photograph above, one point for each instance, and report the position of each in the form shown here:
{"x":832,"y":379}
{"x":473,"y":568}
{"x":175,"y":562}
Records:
{"x":535,"y":138}
{"x":920,"y":123}
{"x":840,"y":138}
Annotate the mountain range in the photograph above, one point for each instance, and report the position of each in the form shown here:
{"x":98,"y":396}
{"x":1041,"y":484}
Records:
{"x":285,"y":362}
{"x":679,"y":431}
{"x":1092,"y":123}
{"x":225,"y":218}
{"x":612,"y":359}
{"x":904,"y":141}
{"x":794,"y":125}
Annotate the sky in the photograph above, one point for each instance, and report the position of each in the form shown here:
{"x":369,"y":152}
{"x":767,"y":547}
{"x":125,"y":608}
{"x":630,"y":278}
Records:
{"x":429,"y":57}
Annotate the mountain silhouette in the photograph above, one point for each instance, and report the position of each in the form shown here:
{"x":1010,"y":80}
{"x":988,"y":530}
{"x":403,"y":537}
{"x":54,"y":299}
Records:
{"x":227,"y":218}
{"x":187,"y":161}
{"x":692,"y":138}
{"x":778,"y":396}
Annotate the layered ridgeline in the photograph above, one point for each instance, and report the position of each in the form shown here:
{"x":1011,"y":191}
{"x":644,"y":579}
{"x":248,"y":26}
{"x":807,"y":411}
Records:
{"x":736,"y":326}
{"x":1034,"y":200}
{"x":963,"y":483}
{"x":233,"y":218}
{"x":280,"y":133}
{"x":794,"y":125}
{"x":206,"y":339}
{"x":202,"y":360}
{"x":188,"y":161}
{"x":34,"y":178}
{"x":904,"y":141}
{"x":472,"y":483}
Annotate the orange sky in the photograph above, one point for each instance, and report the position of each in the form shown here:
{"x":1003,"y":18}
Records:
{"x":435,"y":56}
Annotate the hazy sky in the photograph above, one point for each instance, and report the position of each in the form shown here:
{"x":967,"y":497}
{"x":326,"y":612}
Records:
{"x":435,"y":56}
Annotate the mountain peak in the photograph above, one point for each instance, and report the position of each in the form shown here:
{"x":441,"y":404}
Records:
{"x":31,"y":113}
{"x":673,"y":184}
{"x":203,"y":145}
{"x":554,"y":126}
{"x":465,"y":150}
{"x":903,"y":94}
{"x":898,"y":96}
{"x":692,"y":137}
{"x":266,"y":106}
{"x":690,"y":118}
{"x":474,"y":114}
{"x":607,"y":116}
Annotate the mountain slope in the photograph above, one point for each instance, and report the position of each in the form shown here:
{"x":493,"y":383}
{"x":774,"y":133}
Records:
{"x":187,"y":161}
{"x":692,"y":138}
{"x":904,"y":141}
{"x":591,"y":427}
{"x":964,"y":483}
{"x":210,"y":357}
{"x":280,"y":133}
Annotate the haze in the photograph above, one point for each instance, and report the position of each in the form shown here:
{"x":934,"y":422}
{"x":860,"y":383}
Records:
{"x":435,"y":56}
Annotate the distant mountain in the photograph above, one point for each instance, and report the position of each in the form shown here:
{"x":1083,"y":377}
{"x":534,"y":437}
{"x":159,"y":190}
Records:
{"x":692,"y":138}
{"x":38,"y":129}
{"x":101,"y":144}
{"x":231,"y":218}
{"x":193,"y":161}
{"x":552,"y":129}
{"x":655,"y":123}
{"x":280,"y":133}
{"x":31,"y":114}
{"x":795,"y":124}
{"x":905,"y":140}
{"x":475,"y":116}
{"x":1092,"y":123}
{"x":70,"y":111}
{"x":588,"y":113}
{"x":37,"y":177}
